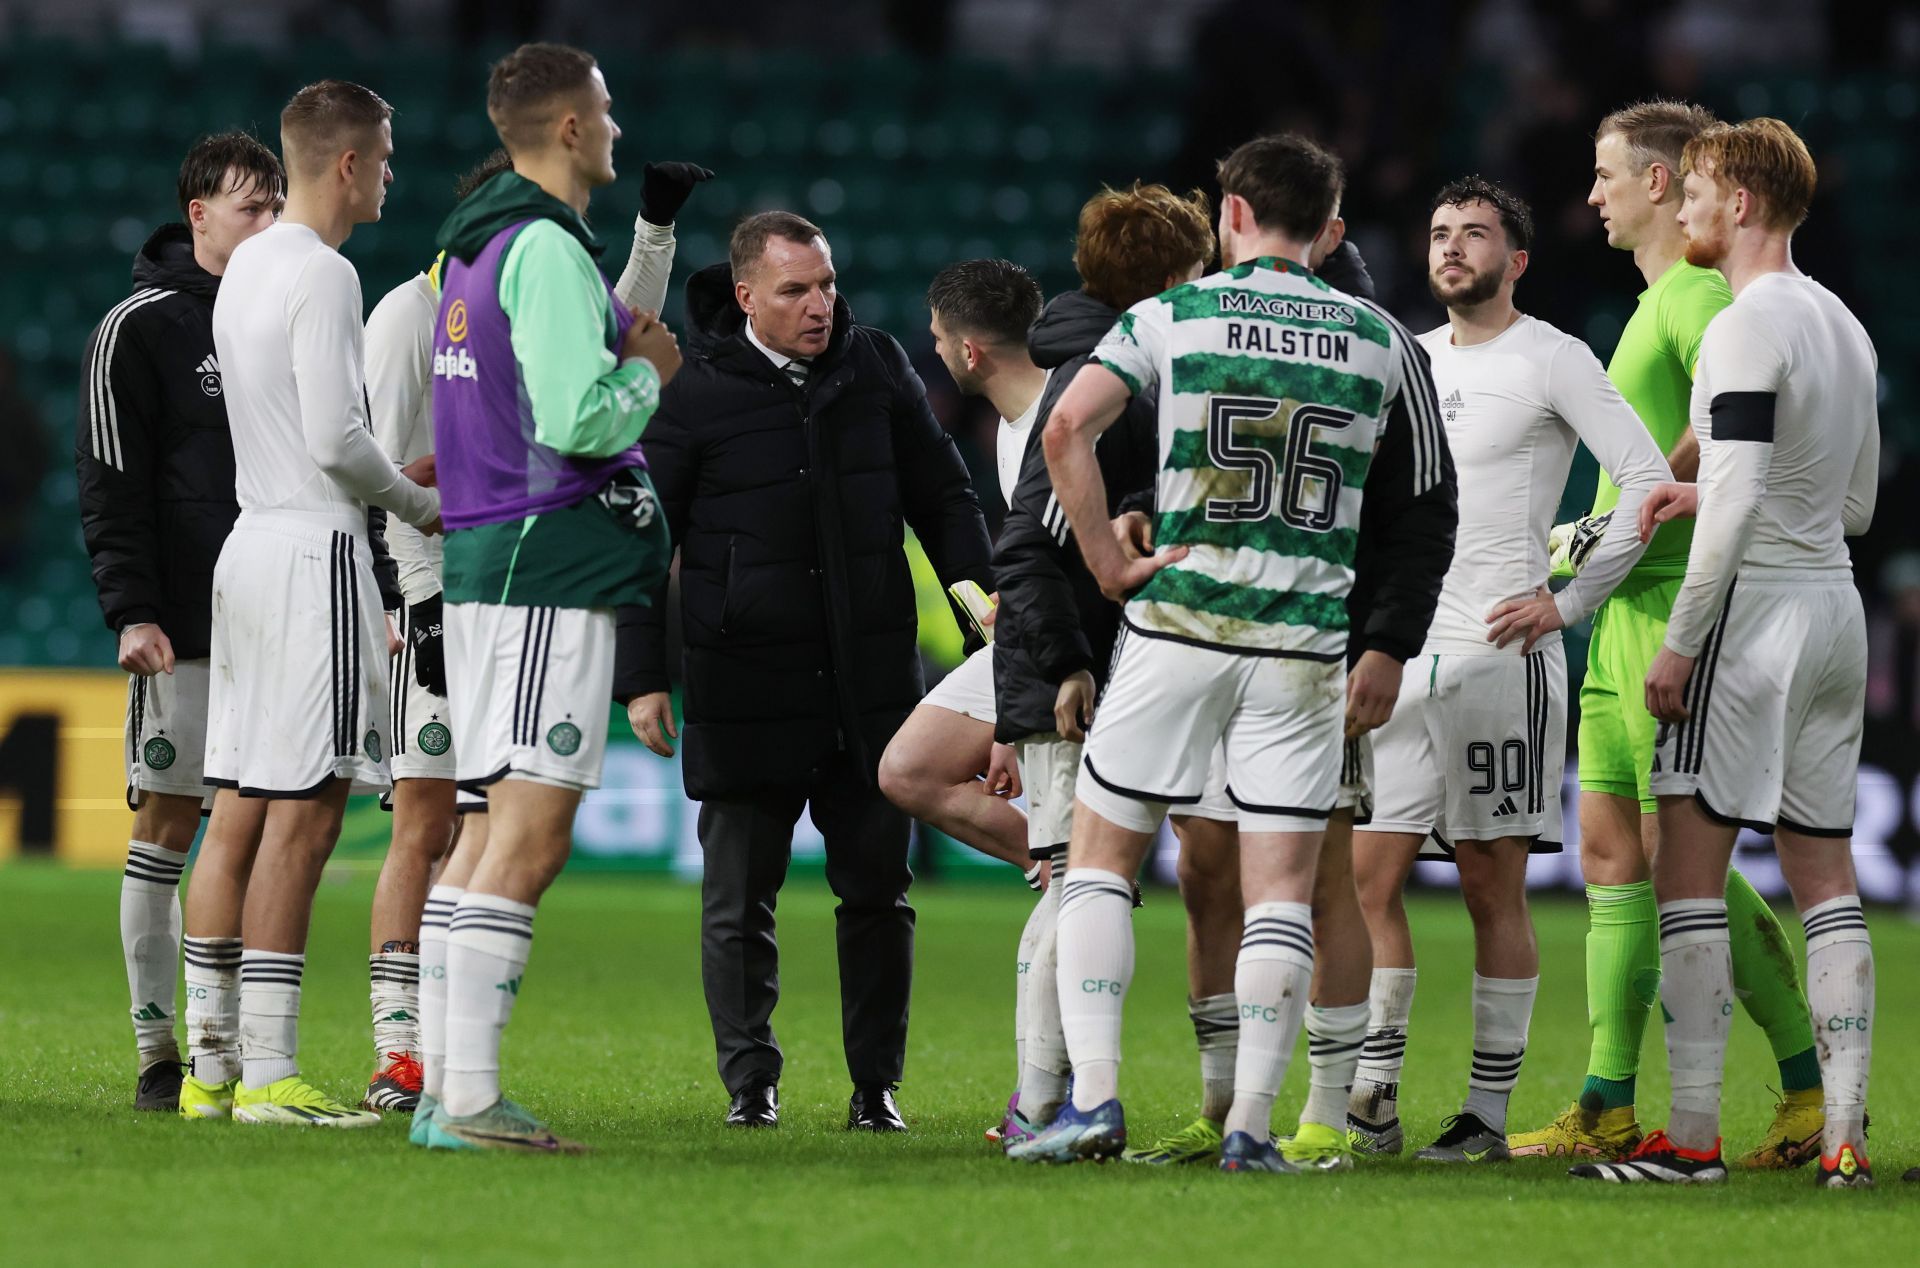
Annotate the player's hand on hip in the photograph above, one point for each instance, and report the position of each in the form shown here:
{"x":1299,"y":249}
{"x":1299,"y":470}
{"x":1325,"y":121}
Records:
{"x":1524,"y":618}
{"x":1073,"y":706}
{"x":423,"y":471}
{"x":1003,"y":772}
{"x":1136,"y":572}
{"x":1372,"y":687}
{"x":1134,"y":532}
{"x":649,"y":337}
{"x":1667,"y":686}
{"x":394,"y":641}
{"x":146,"y":650}
{"x":1667,"y":502}
{"x":651,"y":717}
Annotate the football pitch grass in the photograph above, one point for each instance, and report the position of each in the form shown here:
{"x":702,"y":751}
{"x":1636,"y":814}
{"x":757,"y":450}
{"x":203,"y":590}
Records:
{"x":610,"y":1042}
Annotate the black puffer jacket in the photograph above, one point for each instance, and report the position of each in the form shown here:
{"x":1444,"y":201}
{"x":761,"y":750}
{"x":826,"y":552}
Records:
{"x":1053,"y":621}
{"x":789,"y":509}
{"x":154,"y":457}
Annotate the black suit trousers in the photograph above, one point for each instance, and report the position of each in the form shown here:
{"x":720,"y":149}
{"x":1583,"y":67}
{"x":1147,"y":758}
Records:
{"x":747,"y":844}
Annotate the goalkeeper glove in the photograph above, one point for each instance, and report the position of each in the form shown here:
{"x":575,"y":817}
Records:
{"x":425,"y":633}
{"x":1570,"y":545}
{"x":665,"y":188}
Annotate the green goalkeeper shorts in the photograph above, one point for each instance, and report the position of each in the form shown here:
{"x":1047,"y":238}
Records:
{"x":1616,"y":731}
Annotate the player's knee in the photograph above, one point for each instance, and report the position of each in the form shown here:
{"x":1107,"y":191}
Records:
{"x":168,"y":822}
{"x":426,"y":838}
{"x":905,"y":778}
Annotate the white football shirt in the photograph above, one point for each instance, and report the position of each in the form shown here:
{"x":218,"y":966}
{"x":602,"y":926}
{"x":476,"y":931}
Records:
{"x":1010,"y":444}
{"x":287,"y":331}
{"x":1515,"y":408}
{"x":1785,"y":409}
{"x":400,"y":393}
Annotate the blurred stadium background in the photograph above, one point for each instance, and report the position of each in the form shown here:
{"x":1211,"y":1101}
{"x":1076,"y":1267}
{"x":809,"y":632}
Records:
{"x":919,"y":132}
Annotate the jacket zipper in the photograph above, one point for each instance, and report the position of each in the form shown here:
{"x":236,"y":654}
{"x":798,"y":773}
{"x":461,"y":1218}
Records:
{"x":726,"y":585}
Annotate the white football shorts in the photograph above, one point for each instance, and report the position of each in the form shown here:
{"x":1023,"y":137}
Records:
{"x":1475,"y":750}
{"x":422,"y":727}
{"x":1776,"y":700}
{"x":166,"y":745}
{"x":1049,"y":767}
{"x":298,"y":690}
{"x":1356,"y":785}
{"x":968,"y":689}
{"x":531,"y":687}
{"x":1168,"y":705}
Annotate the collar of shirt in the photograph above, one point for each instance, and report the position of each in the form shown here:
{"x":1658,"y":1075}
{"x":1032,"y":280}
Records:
{"x":780,"y":359}
{"x":1025,"y":420}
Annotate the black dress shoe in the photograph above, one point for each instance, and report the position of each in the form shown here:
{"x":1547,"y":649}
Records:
{"x":755,"y":1107}
{"x":871,"y":1109}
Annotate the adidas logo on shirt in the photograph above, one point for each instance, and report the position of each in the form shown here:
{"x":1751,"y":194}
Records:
{"x":1453,"y":402}
{"x":209,"y":372}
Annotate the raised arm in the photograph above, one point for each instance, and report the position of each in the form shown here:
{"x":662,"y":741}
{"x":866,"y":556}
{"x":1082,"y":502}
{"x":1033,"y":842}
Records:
{"x":585,"y":400}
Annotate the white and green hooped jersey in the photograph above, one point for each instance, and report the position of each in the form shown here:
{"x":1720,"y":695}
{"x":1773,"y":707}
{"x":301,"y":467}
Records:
{"x":1273,"y":389}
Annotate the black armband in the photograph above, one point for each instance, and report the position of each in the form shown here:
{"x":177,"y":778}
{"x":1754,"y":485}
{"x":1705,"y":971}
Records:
{"x":1743,"y":416}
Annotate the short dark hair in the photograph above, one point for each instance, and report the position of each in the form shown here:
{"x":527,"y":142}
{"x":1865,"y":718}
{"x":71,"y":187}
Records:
{"x":228,"y":162}
{"x":750,"y":237}
{"x":523,"y":87}
{"x":1656,"y":131}
{"x":1516,"y":218}
{"x":325,"y":118}
{"x":1292,"y":184}
{"x":480,"y":173}
{"x":994,"y":300}
{"x":1130,"y":241}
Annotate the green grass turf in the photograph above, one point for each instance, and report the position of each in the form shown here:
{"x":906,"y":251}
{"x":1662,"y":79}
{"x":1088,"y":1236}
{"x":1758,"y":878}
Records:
{"x":610,"y":1041}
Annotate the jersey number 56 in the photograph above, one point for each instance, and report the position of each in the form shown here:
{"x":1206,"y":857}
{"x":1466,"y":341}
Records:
{"x":1307,"y":484}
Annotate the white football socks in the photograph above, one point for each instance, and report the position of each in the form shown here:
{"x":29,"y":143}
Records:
{"x":1334,"y":1039}
{"x":1043,"y":1069}
{"x":1376,"y":1082}
{"x":1030,"y":935}
{"x":1096,"y":963}
{"x":1270,"y":980}
{"x":1502,"y":1009}
{"x":434,"y":918}
{"x":488,"y":942}
{"x":150,"y":943}
{"x":269,"y":1016}
{"x":213,"y":1008}
{"x":1840,"y":994}
{"x":1696,"y":989}
{"x":1216,"y":1029}
{"x":394,"y":991}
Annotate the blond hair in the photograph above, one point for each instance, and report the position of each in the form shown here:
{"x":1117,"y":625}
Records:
{"x":1656,"y":131}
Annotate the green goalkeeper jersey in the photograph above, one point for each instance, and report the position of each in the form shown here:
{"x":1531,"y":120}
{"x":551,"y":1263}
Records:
{"x":1653,"y":368}
{"x":1272,"y":389}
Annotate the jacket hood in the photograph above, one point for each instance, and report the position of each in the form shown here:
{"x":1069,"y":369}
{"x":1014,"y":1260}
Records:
{"x":167,"y":261}
{"x":714,"y":316}
{"x":1071,"y":325}
{"x":504,"y":201}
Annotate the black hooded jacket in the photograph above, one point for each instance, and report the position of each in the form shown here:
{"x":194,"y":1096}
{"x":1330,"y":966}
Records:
{"x":789,"y":508}
{"x":1053,"y":621}
{"x":154,"y":457}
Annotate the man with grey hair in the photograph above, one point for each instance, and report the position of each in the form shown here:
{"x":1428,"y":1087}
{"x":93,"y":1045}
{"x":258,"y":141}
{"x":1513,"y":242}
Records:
{"x":791,"y":455}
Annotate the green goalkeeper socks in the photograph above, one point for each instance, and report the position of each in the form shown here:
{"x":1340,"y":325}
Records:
{"x":1766,"y":977}
{"x":1623,"y":979}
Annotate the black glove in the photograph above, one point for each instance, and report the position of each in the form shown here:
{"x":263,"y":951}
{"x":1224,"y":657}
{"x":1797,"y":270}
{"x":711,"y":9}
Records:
{"x":1344,"y":270}
{"x":429,"y":644}
{"x":665,"y":188}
